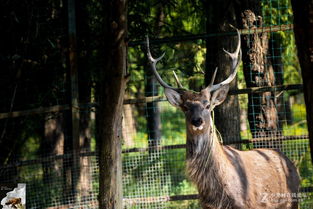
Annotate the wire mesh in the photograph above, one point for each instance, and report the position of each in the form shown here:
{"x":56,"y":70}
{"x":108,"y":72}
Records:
{"x":154,"y":163}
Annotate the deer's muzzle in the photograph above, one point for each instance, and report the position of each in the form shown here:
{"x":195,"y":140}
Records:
{"x":197,"y":122}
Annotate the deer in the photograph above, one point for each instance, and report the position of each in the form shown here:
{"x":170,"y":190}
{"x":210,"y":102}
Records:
{"x":226,"y":177}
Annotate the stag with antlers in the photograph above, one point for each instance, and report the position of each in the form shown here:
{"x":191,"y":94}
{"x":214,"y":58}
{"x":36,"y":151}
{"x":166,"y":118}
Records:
{"x":226,"y":177}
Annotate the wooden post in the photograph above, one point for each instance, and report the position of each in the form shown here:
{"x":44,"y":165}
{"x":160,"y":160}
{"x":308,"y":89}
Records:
{"x":74,"y":93}
{"x":152,"y":109}
{"x":151,"y":89}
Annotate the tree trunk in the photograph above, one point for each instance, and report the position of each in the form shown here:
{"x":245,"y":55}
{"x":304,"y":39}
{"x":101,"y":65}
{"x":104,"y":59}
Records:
{"x":303,"y":29}
{"x":258,"y":72}
{"x":227,"y":115}
{"x":68,"y":160}
{"x":53,"y":144}
{"x":275,"y":49}
{"x":111,"y":87}
{"x":129,"y":125}
{"x":84,"y":161}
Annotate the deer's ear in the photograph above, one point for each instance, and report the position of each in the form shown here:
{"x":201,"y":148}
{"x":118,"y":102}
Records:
{"x":219,"y":95}
{"x":173,"y":97}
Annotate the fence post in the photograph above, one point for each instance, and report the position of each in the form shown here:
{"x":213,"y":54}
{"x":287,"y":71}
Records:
{"x":74,"y":94}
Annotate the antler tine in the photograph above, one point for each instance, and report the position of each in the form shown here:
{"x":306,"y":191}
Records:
{"x":236,"y":58}
{"x":177,"y":80}
{"x":153,"y":63}
{"x":213,"y":78}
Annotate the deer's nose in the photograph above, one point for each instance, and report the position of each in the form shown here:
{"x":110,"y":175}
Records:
{"x":197,"y":122}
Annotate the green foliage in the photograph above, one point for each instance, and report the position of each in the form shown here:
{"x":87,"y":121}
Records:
{"x":299,"y":126}
{"x":157,"y":174}
{"x":185,"y":204}
{"x":30,"y":148}
{"x":292,"y":73}
{"x":184,"y":187}
{"x":279,"y":12}
{"x":45,"y":193}
{"x":298,"y":112}
{"x":276,"y":12}
{"x":163,"y":19}
{"x":136,"y":66}
{"x":306,"y":170}
{"x":173,"y":125}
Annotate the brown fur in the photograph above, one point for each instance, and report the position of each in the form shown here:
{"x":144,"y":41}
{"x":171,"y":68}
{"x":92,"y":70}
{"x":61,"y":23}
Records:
{"x":230,"y":178}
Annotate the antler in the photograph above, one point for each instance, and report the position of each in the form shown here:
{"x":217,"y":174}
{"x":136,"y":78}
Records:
{"x":153,"y":63}
{"x":236,"y":58}
{"x":177,"y":80}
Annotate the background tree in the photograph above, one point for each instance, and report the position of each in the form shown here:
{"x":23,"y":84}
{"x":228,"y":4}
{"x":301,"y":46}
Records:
{"x":110,"y":88}
{"x":303,"y":28}
{"x":258,"y":72}
{"x":219,"y":15}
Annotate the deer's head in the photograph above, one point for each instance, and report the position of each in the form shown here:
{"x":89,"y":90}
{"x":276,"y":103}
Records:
{"x":198,"y":106}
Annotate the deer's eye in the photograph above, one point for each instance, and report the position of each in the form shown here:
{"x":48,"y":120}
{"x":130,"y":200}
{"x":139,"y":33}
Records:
{"x":206,"y":104}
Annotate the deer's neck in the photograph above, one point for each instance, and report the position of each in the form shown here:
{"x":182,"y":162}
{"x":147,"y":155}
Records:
{"x":206,"y":166}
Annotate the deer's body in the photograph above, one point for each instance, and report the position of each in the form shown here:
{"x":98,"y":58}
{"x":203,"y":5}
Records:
{"x":229,"y":178}
{"x":226,"y":177}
